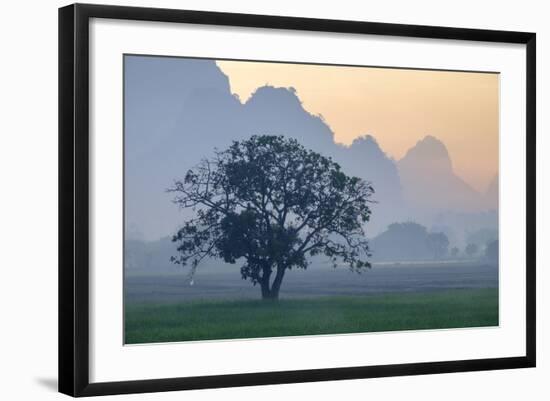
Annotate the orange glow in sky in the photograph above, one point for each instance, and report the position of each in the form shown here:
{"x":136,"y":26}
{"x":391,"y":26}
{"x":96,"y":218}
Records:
{"x":397,"y":106}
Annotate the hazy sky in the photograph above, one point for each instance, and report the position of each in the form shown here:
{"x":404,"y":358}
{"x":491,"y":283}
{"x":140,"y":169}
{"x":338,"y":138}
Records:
{"x":398,"y":107}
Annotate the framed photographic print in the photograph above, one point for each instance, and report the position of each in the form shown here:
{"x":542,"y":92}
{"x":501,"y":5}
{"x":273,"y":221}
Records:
{"x":250,"y":199}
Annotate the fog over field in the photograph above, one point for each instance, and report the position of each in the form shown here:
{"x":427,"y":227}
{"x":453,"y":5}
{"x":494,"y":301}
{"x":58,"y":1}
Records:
{"x":320,"y":281}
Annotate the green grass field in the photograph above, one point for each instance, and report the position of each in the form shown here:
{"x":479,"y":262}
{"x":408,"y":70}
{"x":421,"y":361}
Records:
{"x":209,"y":320}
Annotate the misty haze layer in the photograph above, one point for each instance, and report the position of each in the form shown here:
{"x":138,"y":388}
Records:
{"x":178,"y":110}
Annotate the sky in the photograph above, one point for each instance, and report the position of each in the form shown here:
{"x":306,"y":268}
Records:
{"x":398,"y":107}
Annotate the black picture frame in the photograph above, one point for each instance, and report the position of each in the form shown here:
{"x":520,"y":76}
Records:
{"x":74,"y":198}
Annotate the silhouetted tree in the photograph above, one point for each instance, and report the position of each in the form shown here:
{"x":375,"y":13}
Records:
{"x":401,"y":241}
{"x":271,"y":203}
{"x":409,"y":241}
{"x":471,"y":250}
{"x":445,"y":229}
{"x":454,"y":251}
{"x":438,"y":244}
{"x":491,"y":252}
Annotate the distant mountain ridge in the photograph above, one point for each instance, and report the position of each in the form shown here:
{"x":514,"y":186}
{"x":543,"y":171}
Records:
{"x":429,"y":181}
{"x":178,"y":110}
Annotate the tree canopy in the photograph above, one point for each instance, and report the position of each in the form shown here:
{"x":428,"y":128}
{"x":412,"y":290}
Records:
{"x":270,"y":203}
{"x":438,"y":244}
{"x":409,"y":241}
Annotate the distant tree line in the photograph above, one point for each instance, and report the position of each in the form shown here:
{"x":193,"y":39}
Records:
{"x":410,"y":241}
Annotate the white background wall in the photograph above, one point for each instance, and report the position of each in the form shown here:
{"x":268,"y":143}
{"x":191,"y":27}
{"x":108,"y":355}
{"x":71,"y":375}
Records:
{"x":28,"y":204}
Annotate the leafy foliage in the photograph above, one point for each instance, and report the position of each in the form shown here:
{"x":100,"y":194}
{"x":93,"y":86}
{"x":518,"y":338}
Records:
{"x":271,"y":203}
{"x":409,"y":241}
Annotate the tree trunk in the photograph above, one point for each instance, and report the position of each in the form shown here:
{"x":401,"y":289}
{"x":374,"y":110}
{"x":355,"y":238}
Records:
{"x":276,"y":286}
{"x":273,"y":292}
{"x":266,"y":292}
{"x":270,"y":295}
{"x":264,"y":283}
